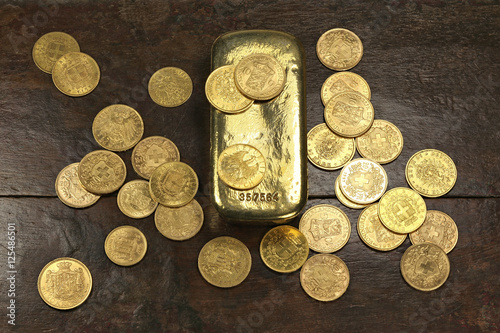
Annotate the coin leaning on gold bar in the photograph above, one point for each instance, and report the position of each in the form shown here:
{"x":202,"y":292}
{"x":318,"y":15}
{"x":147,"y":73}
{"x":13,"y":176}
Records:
{"x":382,"y":143}
{"x":101,"y":172}
{"x":431,"y":173}
{"x":152,"y":152}
{"x":363,"y":181}
{"x":425,"y":266}
{"x":173,"y":184}
{"x":342,"y":82}
{"x":339,"y":49}
{"x":64,"y":283}
{"x":241,"y":166}
{"x":117,"y":127}
{"x":134,"y":199}
{"x":70,"y":191}
{"x":326,"y":228}
{"x":438,"y":228}
{"x":260,"y":76}
{"x":349,"y":114}
{"x":327,"y":150}
{"x":343,"y":199}
{"x":222,"y":92}
{"x":324,"y":277}
{"x":76,"y":74}
{"x":374,"y":234}
{"x":284,"y":249}
{"x":402,"y":210}
{"x":125,"y":245}
{"x":170,"y":87}
{"x":179,"y":223}
{"x":224,"y":262}
{"x":51,"y":47}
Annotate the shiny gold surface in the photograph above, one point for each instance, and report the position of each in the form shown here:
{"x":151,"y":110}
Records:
{"x":276,"y":128}
{"x":342,"y":82}
{"x":70,"y":191}
{"x":173,"y":184}
{"x":51,"y":47}
{"x":382,"y":143}
{"x":241,"y":166}
{"x":76,"y":74}
{"x":125,"y":245}
{"x":438,"y":228}
{"x":170,"y":87}
{"x":151,"y":152}
{"x":339,"y":49}
{"x":402,"y":210}
{"x":179,"y":223}
{"x":363,"y":181}
{"x":343,"y":199}
{"x":374,"y":234}
{"x":134,"y":199}
{"x":102,"y":172}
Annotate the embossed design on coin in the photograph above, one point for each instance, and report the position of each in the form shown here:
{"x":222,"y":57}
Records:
{"x":125,"y":245}
{"x":260,"y":76}
{"x":349,"y":114}
{"x":134,"y":199}
{"x":64,"y":283}
{"x":431,"y":173}
{"x":241,"y":166}
{"x":339,"y":49}
{"x":101,"y":172}
{"x":173,"y":184}
{"x":117,"y":127}
{"x":382,"y":143}
{"x":179,"y":223}
{"x":425,"y":266}
{"x":284,"y":249}
{"x":326,"y":228}
{"x":344,"y":82}
{"x":224,"y":262}
{"x":222,"y":92}
{"x":70,"y":191}
{"x":170,"y":87}
{"x":374,"y":234}
{"x":402,"y":210}
{"x":438,"y":228}
{"x":152,"y":152}
{"x":327,"y":150}
{"x":324,"y":277}
{"x":76,"y":74}
{"x":343,"y":199}
{"x":363,"y":181}
{"x":51,"y":47}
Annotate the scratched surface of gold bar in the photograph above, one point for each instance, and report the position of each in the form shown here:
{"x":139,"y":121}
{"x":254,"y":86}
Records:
{"x":277,"y":128}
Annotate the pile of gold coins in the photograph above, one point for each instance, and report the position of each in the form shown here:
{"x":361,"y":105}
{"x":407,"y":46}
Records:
{"x":168,"y":187}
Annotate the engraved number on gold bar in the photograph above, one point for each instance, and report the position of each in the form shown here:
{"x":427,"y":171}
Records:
{"x":259,"y":196}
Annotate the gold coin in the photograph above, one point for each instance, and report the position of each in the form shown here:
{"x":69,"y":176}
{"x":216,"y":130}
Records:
{"x":327,"y":150}
{"x":284,"y":249}
{"x":118,"y":127}
{"x":402,"y":210}
{"x":173,"y":184}
{"x":260,"y":76}
{"x":349,"y":114}
{"x":135,"y":201}
{"x":339,"y":49}
{"x":101,"y":172}
{"x":51,"y":47}
{"x":152,"y":152}
{"x":64,"y":283}
{"x":374,"y":234}
{"x":70,"y":191}
{"x":125,"y":245}
{"x":342,"y":82}
{"x":179,"y":223}
{"x":324,"y":277}
{"x":382,"y":143}
{"x":170,"y":87}
{"x":241,"y":166}
{"x":222,"y":92}
{"x":425,"y":266}
{"x":343,"y":199}
{"x":438,"y":228}
{"x":224,"y":262}
{"x":431,"y":173}
{"x":326,"y":227}
{"x":363,"y":181}
{"x":76,"y":74}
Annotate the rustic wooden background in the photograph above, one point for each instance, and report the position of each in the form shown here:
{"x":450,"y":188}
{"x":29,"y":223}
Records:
{"x":434,"y":70}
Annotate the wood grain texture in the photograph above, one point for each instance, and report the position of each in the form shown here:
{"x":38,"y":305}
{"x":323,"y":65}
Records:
{"x":434,"y":70}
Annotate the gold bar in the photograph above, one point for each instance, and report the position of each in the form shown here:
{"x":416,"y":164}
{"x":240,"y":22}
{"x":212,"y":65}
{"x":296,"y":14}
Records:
{"x":277,"y":128}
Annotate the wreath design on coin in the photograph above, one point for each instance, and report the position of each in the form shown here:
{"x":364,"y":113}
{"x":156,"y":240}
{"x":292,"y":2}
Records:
{"x":377,"y":179}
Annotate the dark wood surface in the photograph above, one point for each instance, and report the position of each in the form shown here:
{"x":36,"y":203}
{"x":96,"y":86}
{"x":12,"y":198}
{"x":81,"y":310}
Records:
{"x":434,"y":70}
